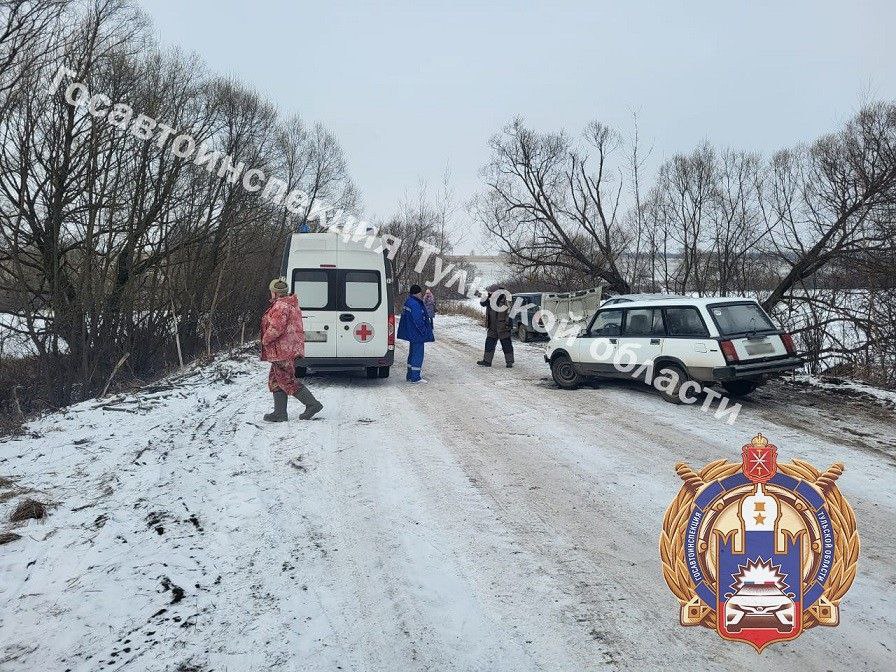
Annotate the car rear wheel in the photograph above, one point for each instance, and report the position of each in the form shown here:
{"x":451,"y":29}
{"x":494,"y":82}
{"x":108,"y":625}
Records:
{"x":384,"y":371}
{"x":739,"y":388}
{"x":564,"y":373}
{"x":671,"y":392}
{"x":522,"y":333}
{"x":372,"y":371}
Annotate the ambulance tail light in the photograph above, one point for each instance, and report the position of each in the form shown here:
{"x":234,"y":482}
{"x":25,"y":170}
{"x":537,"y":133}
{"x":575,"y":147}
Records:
{"x":391,"y":331}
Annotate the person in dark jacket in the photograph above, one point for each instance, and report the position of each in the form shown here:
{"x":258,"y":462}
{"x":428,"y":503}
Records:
{"x":497,"y":322}
{"x":415,"y":327}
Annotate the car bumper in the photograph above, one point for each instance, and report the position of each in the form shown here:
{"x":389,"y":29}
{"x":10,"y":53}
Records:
{"x":739,"y":371}
{"x":346,"y":362}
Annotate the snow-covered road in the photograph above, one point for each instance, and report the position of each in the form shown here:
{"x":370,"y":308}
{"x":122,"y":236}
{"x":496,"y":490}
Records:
{"x":484,"y":521}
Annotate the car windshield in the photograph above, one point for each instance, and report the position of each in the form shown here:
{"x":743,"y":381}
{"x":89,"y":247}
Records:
{"x":740,"y":318}
{"x":526,"y":299}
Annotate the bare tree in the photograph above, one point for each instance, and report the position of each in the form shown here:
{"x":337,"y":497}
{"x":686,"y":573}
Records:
{"x":312,"y":160}
{"x":28,"y":33}
{"x":834,"y":199}
{"x":421,"y":225}
{"x":550,"y":208}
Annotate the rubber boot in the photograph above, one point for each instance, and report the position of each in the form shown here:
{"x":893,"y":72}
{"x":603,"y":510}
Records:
{"x":279,"y":414}
{"x":486,"y":358}
{"x":312,"y":405}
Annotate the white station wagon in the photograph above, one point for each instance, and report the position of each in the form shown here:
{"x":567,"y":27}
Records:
{"x":731,"y":341}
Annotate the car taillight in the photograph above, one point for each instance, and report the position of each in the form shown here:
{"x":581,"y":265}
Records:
{"x":729,"y":351}
{"x":391,"y":331}
{"x":787,"y":340}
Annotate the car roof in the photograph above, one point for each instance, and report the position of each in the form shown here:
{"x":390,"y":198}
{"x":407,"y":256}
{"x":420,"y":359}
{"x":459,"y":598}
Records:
{"x":699,"y":302}
{"x":641,"y":297}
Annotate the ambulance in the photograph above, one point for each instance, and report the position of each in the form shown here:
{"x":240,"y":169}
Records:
{"x":346,"y":292}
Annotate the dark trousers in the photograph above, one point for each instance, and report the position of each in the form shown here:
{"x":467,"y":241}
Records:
{"x":506,"y":346}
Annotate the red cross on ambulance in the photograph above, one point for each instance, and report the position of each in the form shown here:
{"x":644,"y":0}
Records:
{"x":363,"y":332}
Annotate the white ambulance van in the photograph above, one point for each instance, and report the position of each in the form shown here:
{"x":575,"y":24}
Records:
{"x":346,"y":294}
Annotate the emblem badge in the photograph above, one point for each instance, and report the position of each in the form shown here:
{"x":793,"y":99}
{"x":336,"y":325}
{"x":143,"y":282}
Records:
{"x":759,"y":551}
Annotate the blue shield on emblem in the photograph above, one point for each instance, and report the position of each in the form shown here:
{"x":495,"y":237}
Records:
{"x":759,"y":589}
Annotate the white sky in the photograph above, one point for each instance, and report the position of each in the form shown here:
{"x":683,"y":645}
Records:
{"x":412,"y":87}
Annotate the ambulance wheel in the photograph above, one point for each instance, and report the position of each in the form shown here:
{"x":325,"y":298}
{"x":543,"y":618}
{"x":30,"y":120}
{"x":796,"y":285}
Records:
{"x":384,"y":371}
{"x":301,"y":371}
{"x":372,"y":371}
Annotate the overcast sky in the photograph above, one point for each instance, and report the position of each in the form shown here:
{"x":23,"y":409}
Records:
{"x":411,"y":87}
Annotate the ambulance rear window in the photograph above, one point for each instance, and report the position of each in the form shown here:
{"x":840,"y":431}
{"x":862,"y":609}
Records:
{"x":362,"y":290}
{"x":312,"y":287}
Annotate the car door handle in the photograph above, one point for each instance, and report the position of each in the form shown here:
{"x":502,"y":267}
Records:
{"x":613,"y":340}
{"x":654,"y":341}
{"x":346,"y":317}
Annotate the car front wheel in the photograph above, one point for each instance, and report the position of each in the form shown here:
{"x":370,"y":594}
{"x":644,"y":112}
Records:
{"x":564,"y":373}
{"x":522,"y":333}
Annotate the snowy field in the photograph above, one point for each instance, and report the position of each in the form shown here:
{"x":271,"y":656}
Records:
{"x":485,"y":521}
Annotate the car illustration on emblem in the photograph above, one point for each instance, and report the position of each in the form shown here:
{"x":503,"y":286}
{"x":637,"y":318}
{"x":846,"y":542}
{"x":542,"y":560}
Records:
{"x":759,"y":605}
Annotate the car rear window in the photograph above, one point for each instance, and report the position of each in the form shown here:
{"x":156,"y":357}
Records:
{"x":685,"y":322}
{"x":740,"y":318}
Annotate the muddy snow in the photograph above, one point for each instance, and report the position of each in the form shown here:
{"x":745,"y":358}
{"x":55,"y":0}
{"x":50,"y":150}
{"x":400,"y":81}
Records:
{"x":483,"y":521}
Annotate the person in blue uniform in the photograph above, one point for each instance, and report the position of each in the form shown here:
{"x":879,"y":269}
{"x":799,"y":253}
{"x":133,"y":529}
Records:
{"x":415,"y":327}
